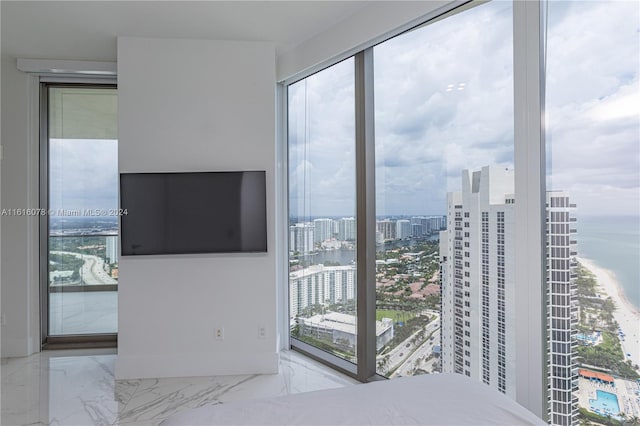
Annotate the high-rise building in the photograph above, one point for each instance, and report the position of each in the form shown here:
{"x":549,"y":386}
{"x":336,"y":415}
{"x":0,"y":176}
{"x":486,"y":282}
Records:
{"x":479,"y":289}
{"x":425,"y":225}
{"x":387,"y":228}
{"x":111,"y":252}
{"x":403,"y":229}
{"x":562,"y":310}
{"x":347,"y":229}
{"x":416,"y":230}
{"x":319,"y":284}
{"x":436,"y":223}
{"x":323,"y":230}
{"x":301,"y":237}
{"x":420,"y":225}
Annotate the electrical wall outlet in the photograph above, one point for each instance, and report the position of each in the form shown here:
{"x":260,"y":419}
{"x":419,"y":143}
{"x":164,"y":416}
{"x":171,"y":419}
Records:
{"x":219,"y":333}
{"x":262,"y":333}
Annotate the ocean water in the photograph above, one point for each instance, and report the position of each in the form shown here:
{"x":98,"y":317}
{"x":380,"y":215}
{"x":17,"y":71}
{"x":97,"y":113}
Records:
{"x":613,"y":243}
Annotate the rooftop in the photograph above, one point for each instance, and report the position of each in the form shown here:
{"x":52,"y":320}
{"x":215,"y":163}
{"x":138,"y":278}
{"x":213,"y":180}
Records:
{"x":343,"y":322}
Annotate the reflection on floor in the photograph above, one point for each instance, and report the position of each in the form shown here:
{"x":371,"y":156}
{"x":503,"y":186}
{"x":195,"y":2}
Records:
{"x":78,"y":388}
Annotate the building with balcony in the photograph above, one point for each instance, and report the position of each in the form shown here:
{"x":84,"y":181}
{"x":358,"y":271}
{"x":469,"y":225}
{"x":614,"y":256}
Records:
{"x":320,"y":285}
{"x":478,"y":288}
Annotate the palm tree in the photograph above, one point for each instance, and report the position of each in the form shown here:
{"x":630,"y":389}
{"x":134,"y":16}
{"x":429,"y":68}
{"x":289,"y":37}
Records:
{"x":383,"y":363}
{"x":608,"y":306}
{"x":609,"y":420}
{"x":632,"y":421}
{"x":622,"y":416}
{"x":606,"y":312}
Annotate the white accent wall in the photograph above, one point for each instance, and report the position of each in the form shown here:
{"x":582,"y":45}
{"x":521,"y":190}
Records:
{"x":197,"y":105}
{"x":20,"y":295}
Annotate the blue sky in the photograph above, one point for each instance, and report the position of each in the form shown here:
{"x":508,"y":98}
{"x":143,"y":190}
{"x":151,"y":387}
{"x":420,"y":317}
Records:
{"x":444,"y":102}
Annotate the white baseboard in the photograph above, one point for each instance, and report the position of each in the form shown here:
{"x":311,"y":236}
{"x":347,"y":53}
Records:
{"x":14,"y":348}
{"x":195,"y":364}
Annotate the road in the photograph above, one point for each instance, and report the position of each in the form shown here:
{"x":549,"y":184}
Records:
{"x":92,"y":271}
{"x":418,"y":359}
{"x":403,"y":356}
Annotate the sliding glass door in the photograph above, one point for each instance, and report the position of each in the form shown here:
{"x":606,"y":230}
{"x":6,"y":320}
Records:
{"x":80,"y":197}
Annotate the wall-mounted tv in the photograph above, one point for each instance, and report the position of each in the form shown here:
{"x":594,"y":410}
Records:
{"x":198,"y":212}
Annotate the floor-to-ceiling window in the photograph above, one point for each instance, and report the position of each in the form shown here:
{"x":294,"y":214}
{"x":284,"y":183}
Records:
{"x":444,"y":191}
{"x":79,"y":224}
{"x":593,"y":184}
{"x":322,"y":203}
{"x":444,"y":201}
{"x":444,"y":221}
{"x":477,"y":267}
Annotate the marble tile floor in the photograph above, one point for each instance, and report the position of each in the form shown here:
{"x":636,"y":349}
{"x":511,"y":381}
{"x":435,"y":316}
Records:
{"x":78,"y":388}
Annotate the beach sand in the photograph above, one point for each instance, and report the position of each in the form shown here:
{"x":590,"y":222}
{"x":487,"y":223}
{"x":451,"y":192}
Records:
{"x":626,"y":314}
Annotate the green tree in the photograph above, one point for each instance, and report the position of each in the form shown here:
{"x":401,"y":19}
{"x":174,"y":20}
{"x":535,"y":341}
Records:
{"x":632,"y":421}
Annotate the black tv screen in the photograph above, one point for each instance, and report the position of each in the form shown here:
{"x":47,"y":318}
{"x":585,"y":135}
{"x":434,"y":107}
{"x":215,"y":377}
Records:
{"x":200,"y":212}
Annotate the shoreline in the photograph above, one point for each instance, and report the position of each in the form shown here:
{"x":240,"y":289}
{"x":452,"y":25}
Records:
{"x":626,"y":314}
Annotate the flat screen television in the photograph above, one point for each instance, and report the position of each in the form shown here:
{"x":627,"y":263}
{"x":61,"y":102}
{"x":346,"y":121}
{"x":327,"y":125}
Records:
{"x":198,"y":212}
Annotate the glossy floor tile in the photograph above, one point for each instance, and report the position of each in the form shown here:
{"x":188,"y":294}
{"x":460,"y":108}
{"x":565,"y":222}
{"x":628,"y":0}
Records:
{"x":78,"y":388}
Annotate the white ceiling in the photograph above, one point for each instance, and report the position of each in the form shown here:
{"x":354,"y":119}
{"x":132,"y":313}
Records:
{"x":87,"y":30}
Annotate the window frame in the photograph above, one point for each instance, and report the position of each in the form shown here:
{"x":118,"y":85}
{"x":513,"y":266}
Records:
{"x":529,"y":159}
{"x":47,"y":341}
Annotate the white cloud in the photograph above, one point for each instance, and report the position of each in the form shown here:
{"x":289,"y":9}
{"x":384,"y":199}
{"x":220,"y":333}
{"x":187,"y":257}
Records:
{"x":322,"y":136}
{"x":83,"y":174}
{"x":593,"y":105}
{"x":621,"y":105}
{"x":444,"y":102}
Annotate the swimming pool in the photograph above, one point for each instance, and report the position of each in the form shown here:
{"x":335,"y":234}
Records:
{"x":586,"y":337}
{"x":605,"y":403}
{"x":591,"y":338}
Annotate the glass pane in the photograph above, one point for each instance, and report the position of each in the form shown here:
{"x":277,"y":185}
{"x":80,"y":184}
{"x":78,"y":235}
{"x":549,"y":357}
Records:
{"x":593,"y":198}
{"x":83,"y":203}
{"x":445,"y":198}
{"x":322,"y":231}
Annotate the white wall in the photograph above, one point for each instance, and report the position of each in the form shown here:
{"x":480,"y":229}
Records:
{"x":197,"y":105}
{"x":19,"y":292}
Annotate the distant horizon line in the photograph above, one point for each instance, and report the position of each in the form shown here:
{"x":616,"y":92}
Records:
{"x":387,"y":215}
{"x":423,"y":214}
